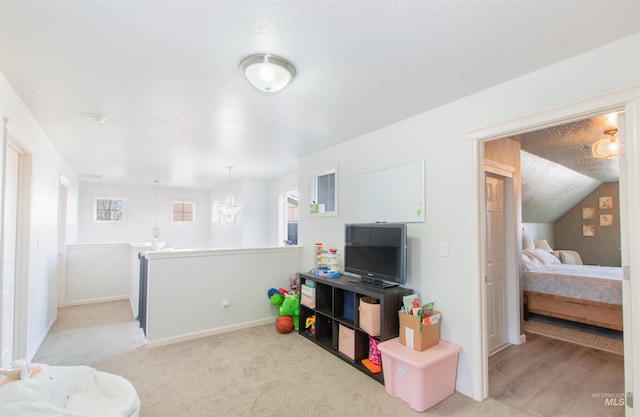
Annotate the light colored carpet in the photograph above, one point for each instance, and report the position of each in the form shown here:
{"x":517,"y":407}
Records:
{"x":602,"y":339}
{"x":250,"y":372}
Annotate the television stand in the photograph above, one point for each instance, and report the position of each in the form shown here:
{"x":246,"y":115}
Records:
{"x":340,"y":320}
{"x":372,"y":282}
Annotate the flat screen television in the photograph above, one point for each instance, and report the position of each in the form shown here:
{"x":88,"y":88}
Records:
{"x":376,"y":253}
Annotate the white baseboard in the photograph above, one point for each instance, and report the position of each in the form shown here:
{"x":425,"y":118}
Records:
{"x":210,"y":332}
{"x":97,"y":300}
{"x":39,"y":343}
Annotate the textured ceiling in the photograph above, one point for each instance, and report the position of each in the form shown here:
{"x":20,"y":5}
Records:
{"x":165,"y":73}
{"x":558,"y":170}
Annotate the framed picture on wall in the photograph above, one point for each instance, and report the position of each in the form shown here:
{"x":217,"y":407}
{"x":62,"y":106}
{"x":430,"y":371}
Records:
{"x":588,"y":230}
{"x":606,"y":220}
{"x":588,"y":213}
{"x":605,"y":203}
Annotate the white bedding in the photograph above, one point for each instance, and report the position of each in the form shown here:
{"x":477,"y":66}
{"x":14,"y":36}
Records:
{"x":586,"y":282}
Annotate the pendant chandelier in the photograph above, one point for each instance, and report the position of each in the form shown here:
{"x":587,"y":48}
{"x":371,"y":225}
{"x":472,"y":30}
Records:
{"x":230,"y":208}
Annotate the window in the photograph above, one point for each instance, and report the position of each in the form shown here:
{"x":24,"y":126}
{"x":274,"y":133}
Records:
{"x":108,"y":209}
{"x":324,"y":199}
{"x":290,"y":224}
{"x":183,"y":212}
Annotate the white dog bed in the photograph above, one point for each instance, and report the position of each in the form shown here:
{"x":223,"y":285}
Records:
{"x":70,"y":391}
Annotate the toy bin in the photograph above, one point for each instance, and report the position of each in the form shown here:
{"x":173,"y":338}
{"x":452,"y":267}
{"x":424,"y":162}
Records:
{"x":369,"y":311}
{"x":346,"y":341}
{"x":421,"y":379}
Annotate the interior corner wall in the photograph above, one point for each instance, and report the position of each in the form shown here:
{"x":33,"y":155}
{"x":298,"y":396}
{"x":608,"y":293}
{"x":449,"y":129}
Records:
{"x":47,"y":166}
{"x":542,"y":231}
{"x":603,"y":248}
{"x":440,"y":137}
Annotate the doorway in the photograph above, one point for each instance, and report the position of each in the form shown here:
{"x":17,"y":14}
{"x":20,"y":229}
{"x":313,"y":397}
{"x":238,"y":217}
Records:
{"x":15,"y":241}
{"x":624,"y":100}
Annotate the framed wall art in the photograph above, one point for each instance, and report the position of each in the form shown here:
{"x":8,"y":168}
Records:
{"x":605,"y":203}
{"x":588,"y":230}
{"x":588,"y":213}
{"x":606,"y":220}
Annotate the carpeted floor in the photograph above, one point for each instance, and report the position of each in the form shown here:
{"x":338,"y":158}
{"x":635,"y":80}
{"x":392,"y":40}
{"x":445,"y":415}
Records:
{"x":578,"y":333}
{"x":249,"y":372}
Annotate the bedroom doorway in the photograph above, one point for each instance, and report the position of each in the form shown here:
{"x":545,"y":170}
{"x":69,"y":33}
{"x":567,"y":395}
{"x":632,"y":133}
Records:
{"x":627,"y":101}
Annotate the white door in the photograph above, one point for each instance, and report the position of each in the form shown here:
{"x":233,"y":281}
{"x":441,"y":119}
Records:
{"x":495,"y":264}
{"x":9,"y":256}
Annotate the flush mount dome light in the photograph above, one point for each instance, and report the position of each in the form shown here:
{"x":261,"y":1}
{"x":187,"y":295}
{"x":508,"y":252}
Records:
{"x":268,"y":73}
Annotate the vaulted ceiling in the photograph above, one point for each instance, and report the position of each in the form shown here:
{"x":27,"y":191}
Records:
{"x":165,"y":74}
{"x":558,"y":169}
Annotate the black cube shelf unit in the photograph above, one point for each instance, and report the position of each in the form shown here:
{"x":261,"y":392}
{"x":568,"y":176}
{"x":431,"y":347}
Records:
{"x":332,"y":295}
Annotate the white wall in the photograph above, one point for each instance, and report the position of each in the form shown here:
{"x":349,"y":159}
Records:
{"x":441,"y":137}
{"x":140,"y":216}
{"x":98,"y":272}
{"x":186,"y":290}
{"x":47,"y":165}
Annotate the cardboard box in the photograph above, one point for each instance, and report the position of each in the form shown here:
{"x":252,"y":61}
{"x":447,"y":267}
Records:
{"x":418,"y":339}
{"x":346,"y":341}
{"x":421,"y":379}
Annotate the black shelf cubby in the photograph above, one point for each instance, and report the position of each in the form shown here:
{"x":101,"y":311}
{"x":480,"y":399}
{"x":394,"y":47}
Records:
{"x":336,"y":304}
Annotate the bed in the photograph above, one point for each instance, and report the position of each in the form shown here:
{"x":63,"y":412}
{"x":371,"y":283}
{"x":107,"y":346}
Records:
{"x":558,"y":285}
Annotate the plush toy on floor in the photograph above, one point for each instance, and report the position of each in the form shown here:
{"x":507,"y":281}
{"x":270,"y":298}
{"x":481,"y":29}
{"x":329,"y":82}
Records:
{"x":287,"y":305}
{"x":291,"y":307}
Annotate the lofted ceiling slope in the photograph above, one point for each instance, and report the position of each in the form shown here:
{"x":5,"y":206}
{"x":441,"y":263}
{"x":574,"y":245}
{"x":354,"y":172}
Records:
{"x":558,"y":170}
{"x":165,"y":73}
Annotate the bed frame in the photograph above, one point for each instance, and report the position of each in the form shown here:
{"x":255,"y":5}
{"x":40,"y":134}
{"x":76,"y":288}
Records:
{"x":582,"y":311}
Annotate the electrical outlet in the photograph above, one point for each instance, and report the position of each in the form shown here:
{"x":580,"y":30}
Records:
{"x":225,"y":305}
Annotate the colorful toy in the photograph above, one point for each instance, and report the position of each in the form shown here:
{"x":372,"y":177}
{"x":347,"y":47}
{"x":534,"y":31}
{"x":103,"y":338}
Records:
{"x":284,"y":324}
{"x":291,"y":307}
{"x":310,"y":325}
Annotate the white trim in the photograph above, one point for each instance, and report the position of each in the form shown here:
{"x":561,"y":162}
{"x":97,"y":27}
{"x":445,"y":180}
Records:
{"x":211,"y":332}
{"x":40,"y":341}
{"x":15,"y":138}
{"x":189,"y":253}
{"x":97,"y":300}
{"x":600,"y":104}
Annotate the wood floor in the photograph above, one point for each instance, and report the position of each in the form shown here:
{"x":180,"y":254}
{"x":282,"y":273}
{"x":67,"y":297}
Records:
{"x":550,"y":377}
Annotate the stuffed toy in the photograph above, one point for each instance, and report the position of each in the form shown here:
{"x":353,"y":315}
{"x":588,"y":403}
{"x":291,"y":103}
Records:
{"x":276,"y":297}
{"x":291,"y":307}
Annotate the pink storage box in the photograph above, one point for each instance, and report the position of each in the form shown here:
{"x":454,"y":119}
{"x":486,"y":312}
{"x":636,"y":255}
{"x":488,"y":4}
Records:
{"x":421,"y":379}
{"x":346,"y":341}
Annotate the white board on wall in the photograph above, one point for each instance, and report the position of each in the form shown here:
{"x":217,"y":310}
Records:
{"x":393,"y":195}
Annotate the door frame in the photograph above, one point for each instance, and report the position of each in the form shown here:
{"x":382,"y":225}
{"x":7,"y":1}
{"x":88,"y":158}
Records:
{"x":627,"y":99}
{"x":14,"y":137}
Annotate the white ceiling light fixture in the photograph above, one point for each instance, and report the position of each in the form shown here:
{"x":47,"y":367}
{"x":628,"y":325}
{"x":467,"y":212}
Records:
{"x":607,"y":147}
{"x":268,"y":73}
{"x":230,"y":208}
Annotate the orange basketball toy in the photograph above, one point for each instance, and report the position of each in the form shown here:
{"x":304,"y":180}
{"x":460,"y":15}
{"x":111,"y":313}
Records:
{"x":284,"y":324}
